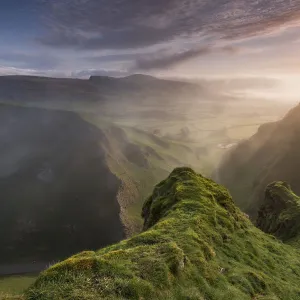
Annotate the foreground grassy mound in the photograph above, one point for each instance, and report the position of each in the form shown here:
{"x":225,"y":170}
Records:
{"x":280,"y":213}
{"x":196,"y":245}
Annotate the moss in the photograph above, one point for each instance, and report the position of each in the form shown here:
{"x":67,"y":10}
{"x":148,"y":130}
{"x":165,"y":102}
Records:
{"x":280,"y":213}
{"x":196,"y":245}
{"x":10,"y":297}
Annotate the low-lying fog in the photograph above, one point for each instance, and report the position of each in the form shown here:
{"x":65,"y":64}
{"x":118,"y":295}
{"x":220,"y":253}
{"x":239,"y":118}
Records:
{"x":79,"y":157}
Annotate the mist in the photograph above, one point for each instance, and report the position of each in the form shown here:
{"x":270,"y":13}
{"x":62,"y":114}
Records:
{"x":101,"y":100}
{"x":85,"y":153}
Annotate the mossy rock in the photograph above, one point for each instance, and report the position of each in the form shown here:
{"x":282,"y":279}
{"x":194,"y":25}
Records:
{"x":280,"y":213}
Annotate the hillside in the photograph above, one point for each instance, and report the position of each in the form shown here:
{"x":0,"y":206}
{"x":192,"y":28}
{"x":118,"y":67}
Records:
{"x":272,"y":154}
{"x":55,"y":186}
{"x":139,"y":159}
{"x":75,"y":175}
{"x":196,"y":245}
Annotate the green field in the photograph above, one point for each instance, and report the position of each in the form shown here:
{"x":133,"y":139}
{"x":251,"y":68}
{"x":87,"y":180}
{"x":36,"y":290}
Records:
{"x":15,"y":285}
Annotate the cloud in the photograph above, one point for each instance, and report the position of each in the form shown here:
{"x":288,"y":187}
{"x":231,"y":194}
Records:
{"x":5,"y":71}
{"x":103,"y":36}
{"x":154,"y":34}
{"x":99,"y":72}
{"x":127,"y":24}
{"x":161,"y":61}
{"x":28,"y":60}
{"x":113,"y":57}
{"x":232,"y":49}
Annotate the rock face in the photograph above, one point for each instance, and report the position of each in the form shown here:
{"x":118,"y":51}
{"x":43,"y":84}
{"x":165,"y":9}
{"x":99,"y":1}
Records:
{"x":272,"y":154}
{"x":280,"y":213}
{"x":196,"y":244}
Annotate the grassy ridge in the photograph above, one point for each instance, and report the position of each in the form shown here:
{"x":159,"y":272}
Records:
{"x":196,"y":245}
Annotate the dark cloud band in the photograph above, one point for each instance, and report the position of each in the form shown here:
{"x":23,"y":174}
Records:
{"x":118,"y":24}
{"x":155,"y":24}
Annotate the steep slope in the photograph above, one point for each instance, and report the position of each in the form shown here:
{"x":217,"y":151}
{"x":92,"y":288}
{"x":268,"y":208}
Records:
{"x":140,"y":160}
{"x":57,"y":193}
{"x":196,"y":245}
{"x":272,"y":154}
{"x":280,"y":213}
{"x":67,"y":178}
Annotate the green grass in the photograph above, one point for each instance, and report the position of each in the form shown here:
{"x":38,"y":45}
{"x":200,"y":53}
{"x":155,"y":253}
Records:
{"x":196,"y":244}
{"x":12,"y":287}
{"x":280,"y":213}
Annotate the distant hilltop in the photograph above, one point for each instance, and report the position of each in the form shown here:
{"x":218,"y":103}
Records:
{"x":97,"y":88}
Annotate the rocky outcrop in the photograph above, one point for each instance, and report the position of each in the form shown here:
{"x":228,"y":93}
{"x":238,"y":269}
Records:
{"x":280,"y":213}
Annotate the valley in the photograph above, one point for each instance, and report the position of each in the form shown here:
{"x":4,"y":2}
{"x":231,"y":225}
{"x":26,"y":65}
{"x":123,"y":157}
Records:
{"x":85,"y":162}
{"x":149,"y":150}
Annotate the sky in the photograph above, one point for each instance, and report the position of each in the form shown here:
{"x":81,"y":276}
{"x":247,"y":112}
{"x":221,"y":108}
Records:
{"x":173,"y":38}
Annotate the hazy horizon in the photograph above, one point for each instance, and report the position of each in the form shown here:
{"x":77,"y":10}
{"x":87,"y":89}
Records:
{"x":194,"y":39}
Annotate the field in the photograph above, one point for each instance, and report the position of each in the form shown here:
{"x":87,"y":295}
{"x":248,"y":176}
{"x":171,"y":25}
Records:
{"x":15,"y":285}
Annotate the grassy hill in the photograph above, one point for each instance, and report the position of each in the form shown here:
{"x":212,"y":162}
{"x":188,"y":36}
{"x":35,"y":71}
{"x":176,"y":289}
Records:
{"x":272,"y":154}
{"x":196,"y":244}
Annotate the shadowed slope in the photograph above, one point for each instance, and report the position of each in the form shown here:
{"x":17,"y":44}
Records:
{"x":57,"y":194}
{"x":197,"y":245}
{"x":272,"y":154}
